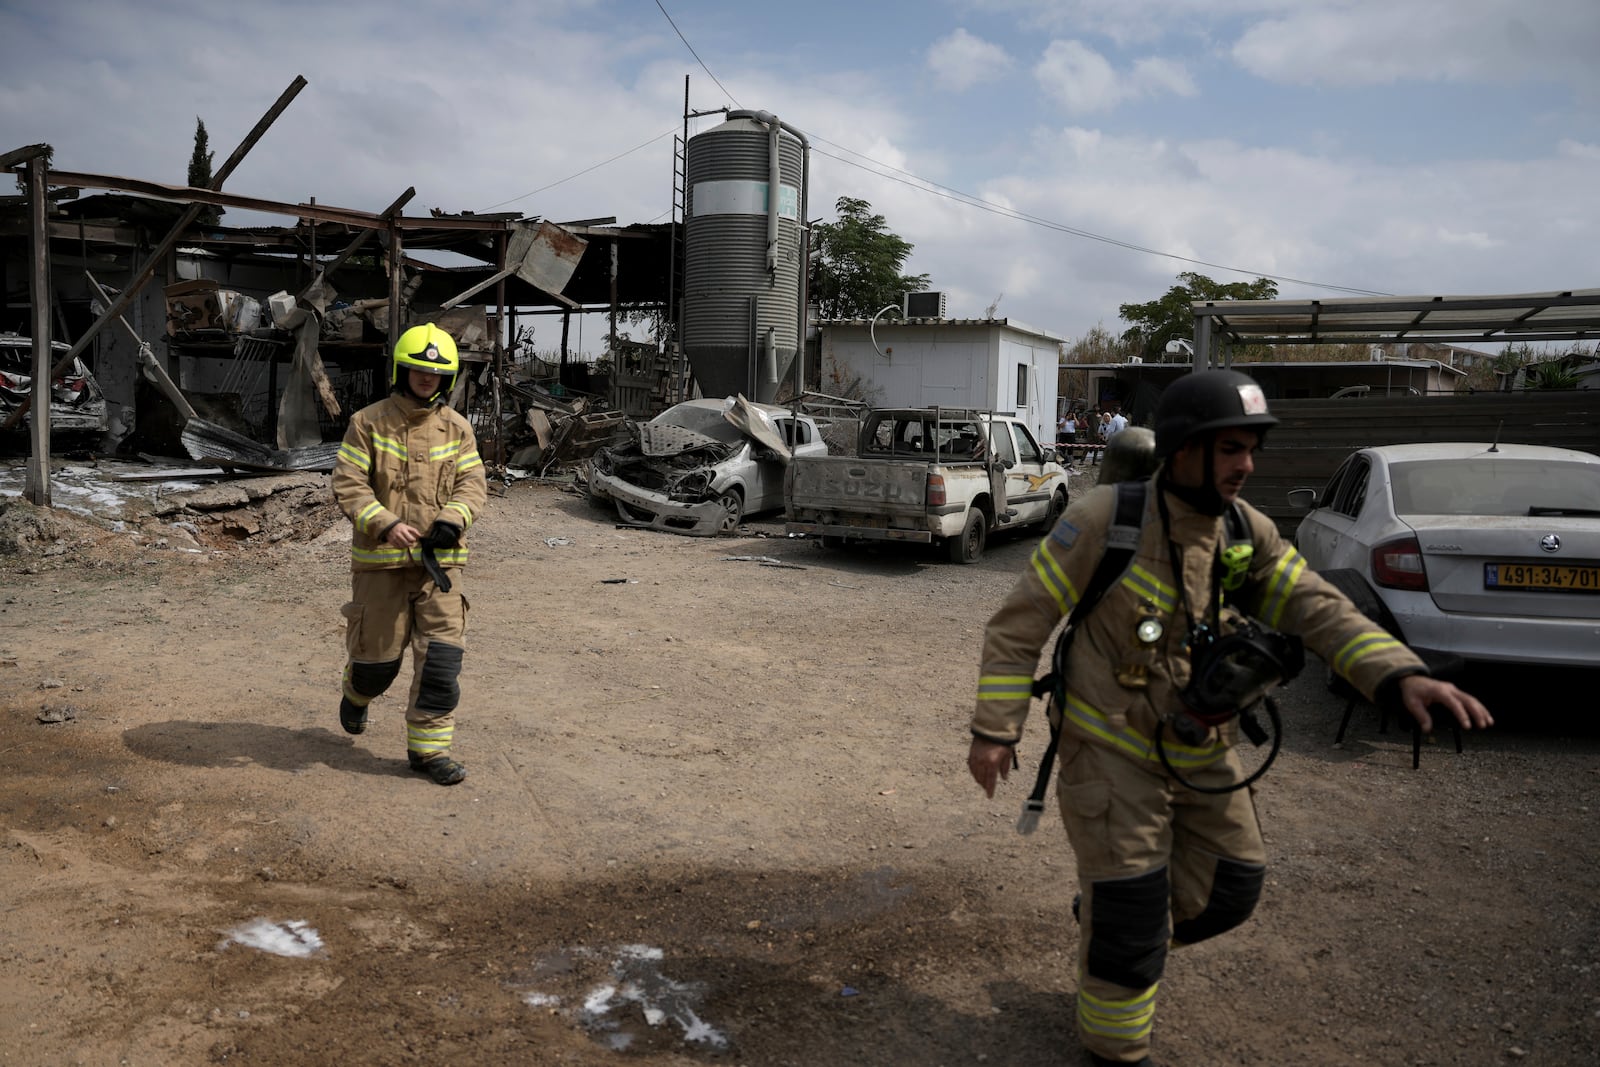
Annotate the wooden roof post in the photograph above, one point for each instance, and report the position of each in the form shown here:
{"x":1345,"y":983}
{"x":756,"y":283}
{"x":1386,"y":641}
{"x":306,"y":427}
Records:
{"x":36,"y":480}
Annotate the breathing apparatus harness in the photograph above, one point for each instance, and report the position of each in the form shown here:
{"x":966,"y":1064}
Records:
{"x":1229,"y":673}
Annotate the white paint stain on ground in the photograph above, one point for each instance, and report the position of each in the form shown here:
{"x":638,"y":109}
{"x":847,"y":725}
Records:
{"x":293,"y":938}
{"x":634,"y":980}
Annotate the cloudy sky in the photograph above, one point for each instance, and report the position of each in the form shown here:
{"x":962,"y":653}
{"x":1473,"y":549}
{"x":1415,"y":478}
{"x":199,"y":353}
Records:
{"x":1063,"y":156}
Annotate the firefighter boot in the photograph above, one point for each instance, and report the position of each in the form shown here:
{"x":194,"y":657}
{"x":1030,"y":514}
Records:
{"x":352,"y":716}
{"x":441,"y":768}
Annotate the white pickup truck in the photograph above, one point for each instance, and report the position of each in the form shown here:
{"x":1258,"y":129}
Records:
{"x":928,"y":475}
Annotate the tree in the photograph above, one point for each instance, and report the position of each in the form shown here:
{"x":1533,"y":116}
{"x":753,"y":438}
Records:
{"x":1171,"y":318}
{"x":856,"y":264}
{"x":200,"y":171}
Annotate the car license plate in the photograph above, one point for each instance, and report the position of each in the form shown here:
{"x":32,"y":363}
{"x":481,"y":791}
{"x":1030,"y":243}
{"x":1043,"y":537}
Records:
{"x":1553,"y":577}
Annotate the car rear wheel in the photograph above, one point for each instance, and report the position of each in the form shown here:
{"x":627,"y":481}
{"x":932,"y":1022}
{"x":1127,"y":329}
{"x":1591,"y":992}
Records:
{"x":967,"y":547}
{"x":732,"y":511}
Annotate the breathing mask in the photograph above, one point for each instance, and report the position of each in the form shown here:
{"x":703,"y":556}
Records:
{"x":1229,"y":675}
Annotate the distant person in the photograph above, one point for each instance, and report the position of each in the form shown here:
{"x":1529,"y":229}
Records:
{"x":1105,"y":425}
{"x":1062,"y":430}
{"x":1069,"y":429}
{"x":408,"y":464}
{"x":1116,"y":424}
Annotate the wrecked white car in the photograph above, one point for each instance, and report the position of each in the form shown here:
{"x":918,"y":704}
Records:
{"x":701,"y":466}
{"x":76,"y":403}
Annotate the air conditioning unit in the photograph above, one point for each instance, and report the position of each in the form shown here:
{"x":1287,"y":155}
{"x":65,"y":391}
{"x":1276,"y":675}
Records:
{"x":924,"y":305}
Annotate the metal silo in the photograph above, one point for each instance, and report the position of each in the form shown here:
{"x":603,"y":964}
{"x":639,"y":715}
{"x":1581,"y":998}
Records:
{"x":743,"y":269}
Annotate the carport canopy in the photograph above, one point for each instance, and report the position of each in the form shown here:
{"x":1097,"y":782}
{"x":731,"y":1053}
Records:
{"x":1573,"y":315}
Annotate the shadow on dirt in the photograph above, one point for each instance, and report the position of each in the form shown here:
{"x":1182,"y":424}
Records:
{"x":243,"y":744}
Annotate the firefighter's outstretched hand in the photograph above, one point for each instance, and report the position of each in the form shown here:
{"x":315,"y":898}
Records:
{"x":989,"y":763}
{"x":1418,"y":692}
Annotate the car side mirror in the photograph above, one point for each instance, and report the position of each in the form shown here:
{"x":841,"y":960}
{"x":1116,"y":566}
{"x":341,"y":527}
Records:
{"x":1007,"y":464}
{"x":1304,"y":499}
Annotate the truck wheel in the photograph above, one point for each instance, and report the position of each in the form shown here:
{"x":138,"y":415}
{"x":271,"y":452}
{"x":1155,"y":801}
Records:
{"x":1052,"y":514}
{"x":967,"y":547}
{"x":732,"y":511}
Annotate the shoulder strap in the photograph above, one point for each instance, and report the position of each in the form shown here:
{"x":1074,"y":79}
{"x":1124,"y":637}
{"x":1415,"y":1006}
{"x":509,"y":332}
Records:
{"x":1122,"y":542}
{"x":1238,"y":525}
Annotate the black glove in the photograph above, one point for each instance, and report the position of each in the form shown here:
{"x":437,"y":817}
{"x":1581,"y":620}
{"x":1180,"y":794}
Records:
{"x":442,"y":535}
{"x":439,"y":535}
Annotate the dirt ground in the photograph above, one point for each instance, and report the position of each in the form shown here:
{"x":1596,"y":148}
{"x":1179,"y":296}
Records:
{"x":717,"y":812}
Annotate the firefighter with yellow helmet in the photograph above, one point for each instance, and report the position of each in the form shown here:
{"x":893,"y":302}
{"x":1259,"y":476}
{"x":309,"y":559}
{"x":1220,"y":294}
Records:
{"x":1148,"y":695}
{"x":409,"y":477}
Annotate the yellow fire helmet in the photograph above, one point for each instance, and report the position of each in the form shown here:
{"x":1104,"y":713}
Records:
{"x":427,"y":348}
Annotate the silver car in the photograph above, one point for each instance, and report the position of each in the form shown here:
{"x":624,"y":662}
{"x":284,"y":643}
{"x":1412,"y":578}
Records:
{"x":701,"y":466}
{"x":1489,"y":552}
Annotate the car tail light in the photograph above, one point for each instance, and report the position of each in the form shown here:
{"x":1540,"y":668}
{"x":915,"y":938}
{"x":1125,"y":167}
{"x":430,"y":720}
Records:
{"x":936,"y":496}
{"x":1397,"y":564}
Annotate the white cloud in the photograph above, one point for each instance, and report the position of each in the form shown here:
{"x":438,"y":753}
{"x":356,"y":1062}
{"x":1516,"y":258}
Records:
{"x":1154,"y":75}
{"x":1380,"y":42}
{"x":1578,"y":149}
{"x":1078,"y":77}
{"x":477,"y":129}
{"x":959,"y":61}
{"x":1083,"y":81}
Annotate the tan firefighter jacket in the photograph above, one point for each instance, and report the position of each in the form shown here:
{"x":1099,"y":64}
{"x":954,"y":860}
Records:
{"x":404,"y":461}
{"x":1118,"y":689}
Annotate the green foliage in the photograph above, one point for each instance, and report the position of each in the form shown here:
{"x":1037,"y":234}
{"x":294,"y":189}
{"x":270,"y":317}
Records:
{"x":856,"y":264}
{"x":1551,"y":374}
{"x":1099,"y":345}
{"x":200,"y":170}
{"x":1170,"y":318}
{"x":1514,"y":357}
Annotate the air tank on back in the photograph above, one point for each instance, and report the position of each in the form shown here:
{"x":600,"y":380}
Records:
{"x":742,"y":254}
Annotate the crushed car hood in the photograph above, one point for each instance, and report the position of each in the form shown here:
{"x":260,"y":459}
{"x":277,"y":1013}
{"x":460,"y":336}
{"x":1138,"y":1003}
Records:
{"x":657,"y":439}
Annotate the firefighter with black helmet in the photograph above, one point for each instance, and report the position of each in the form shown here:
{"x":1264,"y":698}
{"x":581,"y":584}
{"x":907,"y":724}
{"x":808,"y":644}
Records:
{"x":1168,"y":848}
{"x":409,"y":477}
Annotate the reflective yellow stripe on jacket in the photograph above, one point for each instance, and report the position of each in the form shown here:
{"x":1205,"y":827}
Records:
{"x":1280,"y":585}
{"x":1005,"y":687}
{"x":1095,"y":723}
{"x":1373,"y":642}
{"x":388,"y":554}
{"x":1054,"y":579}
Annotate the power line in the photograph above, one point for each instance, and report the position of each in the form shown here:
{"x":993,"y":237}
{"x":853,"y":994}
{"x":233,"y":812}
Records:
{"x":584,"y":171}
{"x":696,"y":55}
{"x":928,"y":186}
